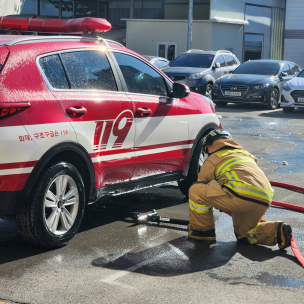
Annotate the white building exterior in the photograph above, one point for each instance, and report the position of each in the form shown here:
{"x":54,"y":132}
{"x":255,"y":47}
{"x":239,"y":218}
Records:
{"x":294,"y":32}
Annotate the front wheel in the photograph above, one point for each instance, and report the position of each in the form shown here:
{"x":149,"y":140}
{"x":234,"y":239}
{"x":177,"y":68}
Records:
{"x":273,"y":102}
{"x":55,"y":208}
{"x":197,"y":161}
{"x":288,"y":110}
{"x":208,"y":91}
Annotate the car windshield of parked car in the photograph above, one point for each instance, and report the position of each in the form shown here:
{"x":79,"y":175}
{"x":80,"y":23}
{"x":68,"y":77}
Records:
{"x":301,"y":74}
{"x":258,"y":68}
{"x":193,"y":61}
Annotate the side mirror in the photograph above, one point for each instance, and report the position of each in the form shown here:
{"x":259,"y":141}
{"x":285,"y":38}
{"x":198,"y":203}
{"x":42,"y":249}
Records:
{"x":283,"y":74}
{"x":216,"y":65}
{"x":180,"y":90}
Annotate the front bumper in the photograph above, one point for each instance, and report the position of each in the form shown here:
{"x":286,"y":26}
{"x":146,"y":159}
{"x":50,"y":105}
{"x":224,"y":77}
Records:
{"x":250,"y":96}
{"x":287,"y":101}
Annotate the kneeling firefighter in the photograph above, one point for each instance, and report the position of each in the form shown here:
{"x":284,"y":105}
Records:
{"x":230,"y":180}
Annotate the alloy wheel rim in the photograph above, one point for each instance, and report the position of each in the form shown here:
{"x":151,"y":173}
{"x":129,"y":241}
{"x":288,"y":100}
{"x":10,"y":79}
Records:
{"x":61,"y":204}
{"x":274,"y":97}
{"x":209,"y":91}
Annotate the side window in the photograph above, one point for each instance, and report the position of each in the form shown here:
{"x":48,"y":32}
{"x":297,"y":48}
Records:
{"x":156,"y":63}
{"x":54,"y":72}
{"x":89,"y":70}
{"x":139,"y":77}
{"x":293,"y":69}
{"x":286,"y":69}
{"x":229,"y":60}
{"x":220,"y":60}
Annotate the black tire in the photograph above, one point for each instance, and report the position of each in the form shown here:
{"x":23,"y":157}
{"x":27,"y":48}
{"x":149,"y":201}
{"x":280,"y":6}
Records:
{"x":274,"y":100}
{"x":208,"y":90}
{"x":288,"y":110}
{"x":32,"y":223}
{"x":221,"y":103}
{"x":195,"y":166}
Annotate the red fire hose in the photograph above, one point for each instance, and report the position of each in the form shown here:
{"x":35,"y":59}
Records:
{"x":291,"y":207}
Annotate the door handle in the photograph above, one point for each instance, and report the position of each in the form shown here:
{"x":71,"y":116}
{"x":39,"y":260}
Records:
{"x":144,"y":112}
{"x":76,"y":111}
{"x":226,"y":71}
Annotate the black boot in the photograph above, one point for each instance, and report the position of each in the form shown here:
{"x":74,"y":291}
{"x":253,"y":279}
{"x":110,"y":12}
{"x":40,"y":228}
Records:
{"x":284,"y":235}
{"x":205,"y":236}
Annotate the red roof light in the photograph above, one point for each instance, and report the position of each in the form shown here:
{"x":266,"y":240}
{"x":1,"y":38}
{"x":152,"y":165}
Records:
{"x":56,"y":26}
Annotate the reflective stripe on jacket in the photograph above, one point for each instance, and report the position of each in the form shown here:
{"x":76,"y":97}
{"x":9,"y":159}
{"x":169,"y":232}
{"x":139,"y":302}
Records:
{"x":238,"y":172}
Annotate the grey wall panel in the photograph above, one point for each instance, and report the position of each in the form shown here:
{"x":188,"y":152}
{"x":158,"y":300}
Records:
{"x":294,"y":51}
{"x":294,"y":15}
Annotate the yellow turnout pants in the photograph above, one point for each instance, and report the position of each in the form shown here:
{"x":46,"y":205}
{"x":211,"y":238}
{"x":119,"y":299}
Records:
{"x":246,"y":215}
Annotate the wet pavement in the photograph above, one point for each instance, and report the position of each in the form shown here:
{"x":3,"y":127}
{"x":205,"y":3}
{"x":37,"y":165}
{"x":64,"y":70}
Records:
{"x":113,"y":260}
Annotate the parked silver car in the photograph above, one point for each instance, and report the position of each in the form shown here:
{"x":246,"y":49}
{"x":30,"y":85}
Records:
{"x":200,"y":69}
{"x":159,"y":62}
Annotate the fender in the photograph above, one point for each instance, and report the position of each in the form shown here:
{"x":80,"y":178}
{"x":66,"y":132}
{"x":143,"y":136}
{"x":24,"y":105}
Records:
{"x":209,"y":78}
{"x":202,"y":133}
{"x":42,"y":164}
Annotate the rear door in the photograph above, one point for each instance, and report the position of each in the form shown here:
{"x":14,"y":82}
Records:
{"x":222,"y":69}
{"x":100,"y":113}
{"x":161,"y":127}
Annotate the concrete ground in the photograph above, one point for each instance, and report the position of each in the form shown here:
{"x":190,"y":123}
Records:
{"x":111,"y":260}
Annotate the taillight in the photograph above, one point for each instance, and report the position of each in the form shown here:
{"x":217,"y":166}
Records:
{"x":12,"y":108}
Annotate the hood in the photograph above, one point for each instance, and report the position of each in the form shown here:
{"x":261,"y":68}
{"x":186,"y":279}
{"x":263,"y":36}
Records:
{"x":296,"y":82}
{"x":172,"y":71}
{"x":221,"y":143}
{"x":244,"y":79}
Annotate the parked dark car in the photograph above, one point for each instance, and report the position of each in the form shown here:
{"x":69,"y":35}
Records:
{"x":159,"y":62}
{"x":257,"y":81}
{"x":200,"y":69}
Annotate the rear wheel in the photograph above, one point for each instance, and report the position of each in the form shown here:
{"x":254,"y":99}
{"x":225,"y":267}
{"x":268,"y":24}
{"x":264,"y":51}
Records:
{"x":273,"y":102}
{"x":55,"y":209}
{"x":197,"y":161}
{"x":288,"y":110}
{"x":221,"y":103}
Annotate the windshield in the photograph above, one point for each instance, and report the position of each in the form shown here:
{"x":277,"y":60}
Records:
{"x":301,"y":74}
{"x":258,"y":68}
{"x":193,"y":60}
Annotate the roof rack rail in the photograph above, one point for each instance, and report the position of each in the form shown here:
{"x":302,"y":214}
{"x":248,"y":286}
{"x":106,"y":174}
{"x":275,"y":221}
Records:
{"x":62,"y":38}
{"x":223,"y":51}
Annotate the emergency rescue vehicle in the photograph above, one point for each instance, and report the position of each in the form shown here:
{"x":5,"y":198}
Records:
{"x":82,"y":117}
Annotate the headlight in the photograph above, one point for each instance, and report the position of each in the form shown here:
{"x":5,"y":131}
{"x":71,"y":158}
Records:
{"x":195,"y":76}
{"x":261,"y":87}
{"x":210,"y":102}
{"x":286,"y":87}
{"x":215,"y":86}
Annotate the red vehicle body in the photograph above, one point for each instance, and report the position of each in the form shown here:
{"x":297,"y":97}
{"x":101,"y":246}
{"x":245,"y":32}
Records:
{"x":91,"y":141}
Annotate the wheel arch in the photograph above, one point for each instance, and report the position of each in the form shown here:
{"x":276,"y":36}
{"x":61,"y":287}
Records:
{"x":69,"y":152}
{"x":203,"y":132}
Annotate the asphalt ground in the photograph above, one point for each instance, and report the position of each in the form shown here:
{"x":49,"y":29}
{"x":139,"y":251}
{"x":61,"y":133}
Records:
{"x":112,"y":260}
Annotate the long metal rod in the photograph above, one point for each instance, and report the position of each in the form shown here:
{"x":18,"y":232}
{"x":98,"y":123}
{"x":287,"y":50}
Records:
{"x":190,"y":19}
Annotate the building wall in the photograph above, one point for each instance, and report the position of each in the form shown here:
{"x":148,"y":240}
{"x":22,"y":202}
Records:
{"x":15,"y":7}
{"x":227,"y":36}
{"x":236,"y":8}
{"x":143,"y":35}
{"x":294,"y":32}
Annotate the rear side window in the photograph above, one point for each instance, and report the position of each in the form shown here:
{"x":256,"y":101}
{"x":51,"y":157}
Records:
{"x":230,"y":60}
{"x":89,"y":70}
{"x":139,"y":77}
{"x":54,"y":72}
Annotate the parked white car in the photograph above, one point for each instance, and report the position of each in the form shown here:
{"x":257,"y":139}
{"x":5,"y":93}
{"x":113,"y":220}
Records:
{"x":293,"y":93}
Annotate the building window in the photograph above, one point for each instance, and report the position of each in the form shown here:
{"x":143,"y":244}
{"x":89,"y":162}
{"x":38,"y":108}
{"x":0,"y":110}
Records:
{"x":253,"y":46}
{"x":49,"y":8}
{"x":167,"y":50}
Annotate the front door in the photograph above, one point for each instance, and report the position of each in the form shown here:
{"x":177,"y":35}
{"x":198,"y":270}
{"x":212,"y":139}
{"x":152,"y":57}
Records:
{"x":101,"y":115}
{"x":161,"y":126}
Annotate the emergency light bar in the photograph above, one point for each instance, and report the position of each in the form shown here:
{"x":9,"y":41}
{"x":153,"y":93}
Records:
{"x":55,"y":26}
